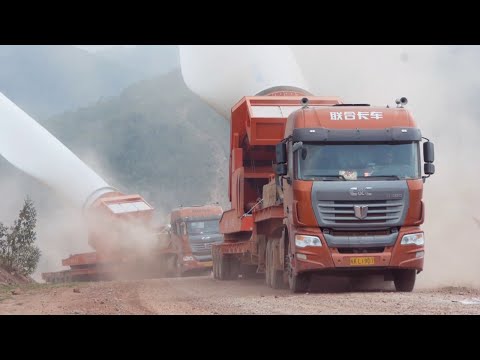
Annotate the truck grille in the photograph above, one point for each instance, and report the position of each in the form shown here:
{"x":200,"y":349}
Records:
{"x":372,"y":212}
{"x":201,"y":248}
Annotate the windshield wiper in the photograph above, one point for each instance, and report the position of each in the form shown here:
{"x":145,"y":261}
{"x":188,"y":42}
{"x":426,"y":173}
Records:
{"x":392,"y":177}
{"x":331,"y":176}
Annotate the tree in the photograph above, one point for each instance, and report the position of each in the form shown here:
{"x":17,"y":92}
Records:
{"x":3,"y":241}
{"x":18,"y":251}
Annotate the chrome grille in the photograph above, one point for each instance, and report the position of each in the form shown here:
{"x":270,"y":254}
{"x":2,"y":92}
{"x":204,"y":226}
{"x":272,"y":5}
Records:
{"x":201,"y":248}
{"x":376,"y":212}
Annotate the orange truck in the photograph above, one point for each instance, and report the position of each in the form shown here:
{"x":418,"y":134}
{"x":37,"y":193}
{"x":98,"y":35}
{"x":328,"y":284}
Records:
{"x":122,"y":233}
{"x":318,"y":186}
{"x":193,"y":231}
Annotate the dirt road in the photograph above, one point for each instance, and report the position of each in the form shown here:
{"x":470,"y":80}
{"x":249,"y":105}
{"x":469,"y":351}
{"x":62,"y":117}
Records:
{"x":204,"y":295}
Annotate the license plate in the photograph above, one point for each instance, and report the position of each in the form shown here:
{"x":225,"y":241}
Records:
{"x":207,"y":264}
{"x":362,"y":261}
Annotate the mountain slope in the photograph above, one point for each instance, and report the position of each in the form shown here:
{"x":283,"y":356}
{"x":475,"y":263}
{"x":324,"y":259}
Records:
{"x":156,"y":138}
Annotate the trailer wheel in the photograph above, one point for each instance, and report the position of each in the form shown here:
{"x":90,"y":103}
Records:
{"x":228,"y":267}
{"x":268,"y":274}
{"x":222,"y":267}
{"x":404,"y":279}
{"x":233,"y":268}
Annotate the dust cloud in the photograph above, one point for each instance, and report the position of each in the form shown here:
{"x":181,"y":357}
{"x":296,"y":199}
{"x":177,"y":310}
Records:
{"x":441,"y":83}
{"x":62,"y":227}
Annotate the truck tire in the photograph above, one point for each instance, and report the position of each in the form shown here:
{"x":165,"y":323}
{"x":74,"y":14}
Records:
{"x":299,"y":283}
{"x":275,"y":277}
{"x":404,"y":279}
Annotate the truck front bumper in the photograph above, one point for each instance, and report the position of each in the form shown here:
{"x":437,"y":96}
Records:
{"x":394,"y":257}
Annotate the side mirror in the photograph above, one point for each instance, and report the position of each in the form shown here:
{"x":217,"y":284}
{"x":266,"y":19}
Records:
{"x":297,"y":146}
{"x":281,"y":153}
{"x":428,"y":152}
{"x":281,"y":169}
{"x":429,"y":169}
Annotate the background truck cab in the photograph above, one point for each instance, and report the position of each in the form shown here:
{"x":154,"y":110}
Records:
{"x":193,"y":231}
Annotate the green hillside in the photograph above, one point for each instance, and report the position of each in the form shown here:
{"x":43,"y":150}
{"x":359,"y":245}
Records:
{"x":157,"y":138}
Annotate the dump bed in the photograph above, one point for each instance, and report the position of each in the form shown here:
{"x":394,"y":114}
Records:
{"x":257,"y":125}
{"x":118,"y":223}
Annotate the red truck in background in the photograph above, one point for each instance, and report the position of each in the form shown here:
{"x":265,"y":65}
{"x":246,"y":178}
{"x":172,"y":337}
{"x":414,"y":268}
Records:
{"x":322,"y":187}
{"x":192,"y":232}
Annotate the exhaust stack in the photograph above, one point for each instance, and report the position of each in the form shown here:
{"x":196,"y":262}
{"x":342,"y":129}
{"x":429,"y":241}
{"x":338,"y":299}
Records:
{"x":32,"y":149}
{"x":223,"y":74}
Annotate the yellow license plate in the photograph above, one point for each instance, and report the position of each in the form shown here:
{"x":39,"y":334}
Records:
{"x":207,"y":264}
{"x":362,"y":261}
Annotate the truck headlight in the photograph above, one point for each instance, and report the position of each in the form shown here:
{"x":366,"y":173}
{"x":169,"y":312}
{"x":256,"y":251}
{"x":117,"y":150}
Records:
{"x":188,"y":258}
{"x":307,"y":240}
{"x":413,"y":239}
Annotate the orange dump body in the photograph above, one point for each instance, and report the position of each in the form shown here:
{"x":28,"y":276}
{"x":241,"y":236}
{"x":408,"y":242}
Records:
{"x":115,"y":221}
{"x":120,"y":231}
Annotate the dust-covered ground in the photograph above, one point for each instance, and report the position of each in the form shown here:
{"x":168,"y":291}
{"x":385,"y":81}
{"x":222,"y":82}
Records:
{"x":205,"y":296}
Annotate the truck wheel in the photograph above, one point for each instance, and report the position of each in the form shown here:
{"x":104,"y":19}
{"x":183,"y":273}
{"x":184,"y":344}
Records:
{"x":275,"y":276}
{"x":298,"y":283}
{"x":404,"y":280}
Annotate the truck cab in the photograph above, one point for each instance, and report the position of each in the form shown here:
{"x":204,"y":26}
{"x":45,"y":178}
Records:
{"x":352,"y":185}
{"x":193,"y":231}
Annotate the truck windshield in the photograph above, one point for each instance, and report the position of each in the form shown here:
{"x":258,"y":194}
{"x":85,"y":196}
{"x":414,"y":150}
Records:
{"x":339,"y":162}
{"x":203,"y":227}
